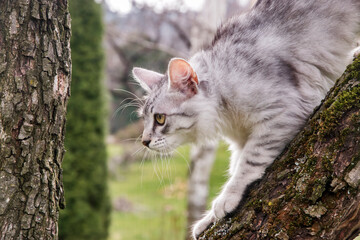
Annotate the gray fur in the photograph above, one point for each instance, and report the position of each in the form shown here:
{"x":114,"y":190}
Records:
{"x":260,"y":79}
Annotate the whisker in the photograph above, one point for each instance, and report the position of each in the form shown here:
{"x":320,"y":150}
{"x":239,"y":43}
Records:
{"x":138,"y":151}
{"x":168,"y":165}
{"x":128,"y":92}
{"x":134,"y":101}
{"x":163,"y":163}
{"x":155,"y":168}
{"x":131,"y":114}
{"x":118,"y":112}
{"x":160,"y":167}
{"x":129,"y":139}
{"x":127,"y":105}
{"x":138,"y":138}
{"x":125,"y":100}
{"x":124,"y":106}
{"x":169,"y":162}
{"x":184,"y":158}
{"x":135,"y":84}
{"x":163,"y":159}
{"x":142,"y":165}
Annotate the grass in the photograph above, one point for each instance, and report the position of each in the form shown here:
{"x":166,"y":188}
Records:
{"x":156,"y":193}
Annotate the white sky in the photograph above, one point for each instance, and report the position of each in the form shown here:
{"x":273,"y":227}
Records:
{"x":124,"y":6}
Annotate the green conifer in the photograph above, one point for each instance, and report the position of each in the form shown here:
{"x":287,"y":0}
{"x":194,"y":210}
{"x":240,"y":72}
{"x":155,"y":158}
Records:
{"x":84,"y":168}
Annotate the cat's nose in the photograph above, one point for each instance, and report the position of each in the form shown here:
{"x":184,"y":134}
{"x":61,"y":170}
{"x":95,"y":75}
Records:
{"x":146,"y":143}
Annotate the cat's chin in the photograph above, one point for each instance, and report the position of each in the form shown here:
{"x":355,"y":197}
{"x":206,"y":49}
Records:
{"x":166,"y":151}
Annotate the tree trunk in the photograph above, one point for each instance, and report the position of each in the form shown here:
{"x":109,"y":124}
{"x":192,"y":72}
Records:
{"x":35,"y":69}
{"x":312,"y":189}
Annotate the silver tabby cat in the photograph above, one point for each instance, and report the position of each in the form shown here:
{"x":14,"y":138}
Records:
{"x":255,"y":86}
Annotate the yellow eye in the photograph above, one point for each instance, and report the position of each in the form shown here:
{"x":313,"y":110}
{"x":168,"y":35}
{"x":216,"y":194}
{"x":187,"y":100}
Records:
{"x":160,"y":119}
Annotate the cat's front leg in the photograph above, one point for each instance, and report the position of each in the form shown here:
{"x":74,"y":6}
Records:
{"x":258,"y":153}
{"x":225,"y":203}
{"x":231,"y":195}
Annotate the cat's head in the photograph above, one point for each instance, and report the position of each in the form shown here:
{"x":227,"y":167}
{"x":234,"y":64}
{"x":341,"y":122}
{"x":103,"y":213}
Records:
{"x":169,"y":111}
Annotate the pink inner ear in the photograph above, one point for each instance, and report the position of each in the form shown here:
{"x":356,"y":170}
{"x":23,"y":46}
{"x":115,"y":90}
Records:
{"x":179,"y":70}
{"x":182,"y":77}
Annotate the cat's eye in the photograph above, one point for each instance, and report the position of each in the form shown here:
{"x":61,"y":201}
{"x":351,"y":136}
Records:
{"x":160,"y":118}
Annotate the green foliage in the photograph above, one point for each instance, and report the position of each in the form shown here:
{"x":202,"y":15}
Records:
{"x":84,"y":167}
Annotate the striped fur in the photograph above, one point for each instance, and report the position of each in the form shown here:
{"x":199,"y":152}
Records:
{"x":259,"y":81}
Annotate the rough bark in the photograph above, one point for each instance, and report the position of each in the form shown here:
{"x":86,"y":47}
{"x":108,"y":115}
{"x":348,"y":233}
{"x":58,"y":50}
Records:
{"x":35,"y":69}
{"x":312,"y":189}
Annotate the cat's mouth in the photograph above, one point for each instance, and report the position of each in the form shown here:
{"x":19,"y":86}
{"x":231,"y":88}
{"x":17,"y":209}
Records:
{"x":159,"y":145}
{"x":162,"y":148}
{"x":161,"y":152}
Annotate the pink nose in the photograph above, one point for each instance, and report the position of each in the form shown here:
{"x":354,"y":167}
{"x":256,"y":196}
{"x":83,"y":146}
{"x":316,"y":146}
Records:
{"x":146,"y":143}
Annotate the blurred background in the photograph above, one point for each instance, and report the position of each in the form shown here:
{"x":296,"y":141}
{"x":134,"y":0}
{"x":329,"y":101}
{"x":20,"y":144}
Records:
{"x":114,"y":189}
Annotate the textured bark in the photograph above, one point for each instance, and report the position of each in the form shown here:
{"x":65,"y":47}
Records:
{"x":35,"y":69}
{"x":312,"y":189}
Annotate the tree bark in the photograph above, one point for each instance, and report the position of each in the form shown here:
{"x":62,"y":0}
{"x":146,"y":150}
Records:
{"x":311,"y":191}
{"x":35,"y":69}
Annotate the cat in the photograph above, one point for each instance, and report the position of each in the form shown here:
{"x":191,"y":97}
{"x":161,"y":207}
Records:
{"x":255,"y":85}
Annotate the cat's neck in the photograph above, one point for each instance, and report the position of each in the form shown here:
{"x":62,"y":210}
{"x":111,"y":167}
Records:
{"x":207,"y":72}
{"x":220,"y":111}
{"x":210,"y":102}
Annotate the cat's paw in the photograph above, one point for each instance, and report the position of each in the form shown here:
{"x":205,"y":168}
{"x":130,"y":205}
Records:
{"x":225,"y":203}
{"x":203,"y":224}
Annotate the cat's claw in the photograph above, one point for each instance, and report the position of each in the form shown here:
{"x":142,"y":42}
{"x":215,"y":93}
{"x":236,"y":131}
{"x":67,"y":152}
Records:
{"x":203,"y":224}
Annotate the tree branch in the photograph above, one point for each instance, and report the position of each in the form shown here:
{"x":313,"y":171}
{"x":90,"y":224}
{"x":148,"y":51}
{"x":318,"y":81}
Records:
{"x":148,"y":44}
{"x":312,"y":189}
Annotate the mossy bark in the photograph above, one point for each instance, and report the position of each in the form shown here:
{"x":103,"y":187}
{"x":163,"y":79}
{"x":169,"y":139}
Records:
{"x":35,"y":69}
{"x":312,"y":189}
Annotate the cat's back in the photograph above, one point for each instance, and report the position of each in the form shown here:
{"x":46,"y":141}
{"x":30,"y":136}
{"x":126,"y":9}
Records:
{"x":302,"y":21}
{"x":305,"y":42}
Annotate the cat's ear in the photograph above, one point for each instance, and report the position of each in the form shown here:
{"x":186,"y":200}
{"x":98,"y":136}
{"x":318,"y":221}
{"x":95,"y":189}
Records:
{"x":146,"y":78}
{"x":182,"y":77}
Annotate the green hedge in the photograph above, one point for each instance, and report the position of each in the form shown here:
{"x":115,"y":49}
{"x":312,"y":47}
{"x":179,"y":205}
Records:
{"x":86,"y":215}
